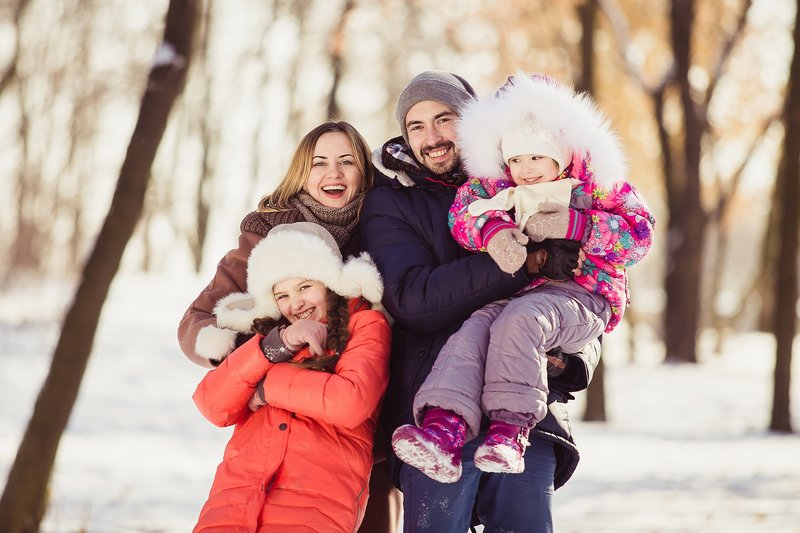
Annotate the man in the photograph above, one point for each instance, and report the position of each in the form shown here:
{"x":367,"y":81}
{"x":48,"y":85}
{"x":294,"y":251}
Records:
{"x":431,"y":285}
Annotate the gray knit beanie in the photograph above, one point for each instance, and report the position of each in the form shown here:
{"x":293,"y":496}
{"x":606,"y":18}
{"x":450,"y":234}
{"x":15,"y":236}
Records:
{"x":450,"y":89}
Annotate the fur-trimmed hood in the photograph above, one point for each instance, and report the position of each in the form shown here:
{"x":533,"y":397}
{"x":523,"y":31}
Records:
{"x":301,"y":249}
{"x":580,"y":127}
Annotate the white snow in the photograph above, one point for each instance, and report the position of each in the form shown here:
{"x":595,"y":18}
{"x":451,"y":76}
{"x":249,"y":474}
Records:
{"x":685,"y":448}
{"x":167,"y":56}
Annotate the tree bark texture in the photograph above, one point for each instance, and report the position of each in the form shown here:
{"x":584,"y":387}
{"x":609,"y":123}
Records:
{"x":785,"y":288}
{"x":687,"y":219}
{"x":23,"y":503}
{"x":587,"y":13}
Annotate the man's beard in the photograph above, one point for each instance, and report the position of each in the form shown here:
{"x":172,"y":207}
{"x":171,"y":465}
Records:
{"x":445,"y":167}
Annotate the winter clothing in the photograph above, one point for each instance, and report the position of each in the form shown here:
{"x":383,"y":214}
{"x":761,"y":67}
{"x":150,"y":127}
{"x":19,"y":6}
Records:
{"x":503,"y":448}
{"x":431,"y":285}
{"x":619,"y":232}
{"x":507,"y":248}
{"x":545,"y":104}
{"x":495,"y":364}
{"x":303,"y":459}
{"x":521,"y":502}
{"x":449,"y":89}
{"x":434,"y":448}
{"x":499,"y":354}
{"x":231,"y":272}
{"x":554,"y":221}
{"x":533,"y":139}
{"x":522,"y":201}
{"x":614,"y":221}
{"x":301,"y":249}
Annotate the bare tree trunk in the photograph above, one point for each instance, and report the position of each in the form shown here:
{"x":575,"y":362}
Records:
{"x":10,"y":72}
{"x":28,"y":241}
{"x":785,"y":288}
{"x":23,"y":503}
{"x":687,"y":220}
{"x":208,"y":141}
{"x":681,"y":154}
{"x":769,"y":257}
{"x":336,"y":54}
{"x":587,"y":13}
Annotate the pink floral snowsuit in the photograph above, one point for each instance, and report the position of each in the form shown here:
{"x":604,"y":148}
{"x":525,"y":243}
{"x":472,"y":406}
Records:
{"x":495,"y":363}
{"x":620,"y":234}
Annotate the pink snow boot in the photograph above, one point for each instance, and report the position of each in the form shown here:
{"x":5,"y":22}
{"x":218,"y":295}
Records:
{"x":435,"y":448}
{"x":503,"y":449}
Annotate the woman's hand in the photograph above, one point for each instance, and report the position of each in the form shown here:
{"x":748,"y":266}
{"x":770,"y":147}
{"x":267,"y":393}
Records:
{"x":305,"y":332}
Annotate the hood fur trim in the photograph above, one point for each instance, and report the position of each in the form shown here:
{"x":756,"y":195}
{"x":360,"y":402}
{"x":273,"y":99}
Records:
{"x":579,"y":125}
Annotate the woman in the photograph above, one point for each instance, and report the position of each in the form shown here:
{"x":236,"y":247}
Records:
{"x":325,"y":184}
{"x":319,"y":363}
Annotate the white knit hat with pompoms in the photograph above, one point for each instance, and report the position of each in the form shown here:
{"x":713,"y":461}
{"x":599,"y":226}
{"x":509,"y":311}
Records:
{"x":302,"y":249}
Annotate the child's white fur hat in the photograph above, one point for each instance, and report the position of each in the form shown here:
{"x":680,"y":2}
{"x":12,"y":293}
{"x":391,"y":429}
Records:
{"x":302,"y":249}
{"x":530,"y":138}
{"x":579,"y":127}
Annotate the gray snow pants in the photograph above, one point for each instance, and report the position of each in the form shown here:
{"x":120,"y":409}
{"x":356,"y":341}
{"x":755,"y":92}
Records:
{"x":496,"y":363}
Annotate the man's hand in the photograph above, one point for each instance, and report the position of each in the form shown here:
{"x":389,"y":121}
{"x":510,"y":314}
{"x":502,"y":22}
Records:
{"x":305,"y":332}
{"x":507,"y":249}
{"x":562,"y":259}
{"x":556,"y":362}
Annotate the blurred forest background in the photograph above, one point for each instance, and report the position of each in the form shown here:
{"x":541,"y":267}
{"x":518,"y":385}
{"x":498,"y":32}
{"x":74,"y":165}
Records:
{"x":702,"y":93}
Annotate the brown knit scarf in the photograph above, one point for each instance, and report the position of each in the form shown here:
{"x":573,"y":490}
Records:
{"x":339,"y":221}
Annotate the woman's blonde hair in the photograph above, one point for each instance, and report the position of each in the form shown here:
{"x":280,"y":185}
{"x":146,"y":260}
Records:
{"x":300,"y":167}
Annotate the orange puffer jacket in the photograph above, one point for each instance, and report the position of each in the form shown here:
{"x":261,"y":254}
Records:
{"x":302,"y":461}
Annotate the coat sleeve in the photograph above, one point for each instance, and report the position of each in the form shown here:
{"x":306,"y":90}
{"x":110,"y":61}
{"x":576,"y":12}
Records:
{"x":230,"y":277}
{"x":469,"y":230}
{"x":351,"y":394}
{"x":621,"y":226}
{"x":428,"y":285}
{"x":223,"y":393}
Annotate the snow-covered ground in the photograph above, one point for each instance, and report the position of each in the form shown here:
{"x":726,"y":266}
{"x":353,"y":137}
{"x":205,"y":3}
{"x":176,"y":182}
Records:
{"x":685,"y":448}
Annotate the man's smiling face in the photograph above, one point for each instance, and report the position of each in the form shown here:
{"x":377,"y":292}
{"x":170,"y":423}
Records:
{"x":431,"y":130}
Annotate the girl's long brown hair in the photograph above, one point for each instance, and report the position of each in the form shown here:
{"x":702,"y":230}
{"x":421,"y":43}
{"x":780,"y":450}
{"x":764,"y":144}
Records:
{"x":338,"y":318}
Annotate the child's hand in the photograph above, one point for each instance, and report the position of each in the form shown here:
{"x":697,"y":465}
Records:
{"x":507,"y":249}
{"x":555,"y":221}
{"x":305,"y":332}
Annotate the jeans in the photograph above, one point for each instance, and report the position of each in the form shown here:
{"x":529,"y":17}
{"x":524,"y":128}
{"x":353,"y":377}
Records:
{"x":505,"y":502}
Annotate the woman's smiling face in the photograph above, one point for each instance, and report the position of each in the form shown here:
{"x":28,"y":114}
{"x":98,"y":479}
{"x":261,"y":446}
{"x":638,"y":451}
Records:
{"x":334,"y":179}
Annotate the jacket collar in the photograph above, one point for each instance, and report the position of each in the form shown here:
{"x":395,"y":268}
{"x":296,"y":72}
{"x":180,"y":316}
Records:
{"x":397,"y":162}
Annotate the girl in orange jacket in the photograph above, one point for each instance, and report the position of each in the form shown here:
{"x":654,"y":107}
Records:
{"x":304,"y":392}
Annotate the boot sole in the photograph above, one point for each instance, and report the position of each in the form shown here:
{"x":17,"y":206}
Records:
{"x":494,"y":461}
{"x":425,"y":457}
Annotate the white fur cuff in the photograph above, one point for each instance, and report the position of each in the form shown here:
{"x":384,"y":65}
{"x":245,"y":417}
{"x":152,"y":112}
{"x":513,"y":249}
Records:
{"x":215,"y":343}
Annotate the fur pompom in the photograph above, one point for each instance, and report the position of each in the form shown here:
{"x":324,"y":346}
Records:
{"x":360,"y":277}
{"x":215,"y":343}
{"x":236,"y":311}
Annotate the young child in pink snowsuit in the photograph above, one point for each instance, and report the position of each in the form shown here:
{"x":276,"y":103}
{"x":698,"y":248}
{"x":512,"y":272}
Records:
{"x":545,"y":165}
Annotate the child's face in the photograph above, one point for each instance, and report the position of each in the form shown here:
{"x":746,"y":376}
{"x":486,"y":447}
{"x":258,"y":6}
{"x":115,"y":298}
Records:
{"x":300,"y":298}
{"x":528,"y":169}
